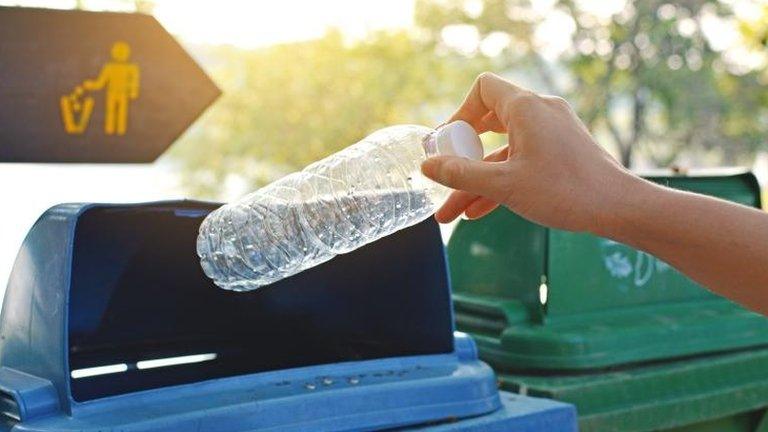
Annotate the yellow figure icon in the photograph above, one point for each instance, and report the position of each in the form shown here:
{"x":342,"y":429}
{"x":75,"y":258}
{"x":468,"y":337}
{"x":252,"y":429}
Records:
{"x":120,"y":79}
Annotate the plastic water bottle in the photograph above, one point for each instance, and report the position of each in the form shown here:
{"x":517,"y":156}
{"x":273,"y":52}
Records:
{"x":356,"y":196}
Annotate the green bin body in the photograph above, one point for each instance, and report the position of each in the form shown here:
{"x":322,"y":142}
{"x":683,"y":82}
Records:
{"x":633,"y":343}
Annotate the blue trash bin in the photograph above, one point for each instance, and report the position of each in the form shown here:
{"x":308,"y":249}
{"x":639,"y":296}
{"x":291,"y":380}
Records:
{"x":108,"y":323}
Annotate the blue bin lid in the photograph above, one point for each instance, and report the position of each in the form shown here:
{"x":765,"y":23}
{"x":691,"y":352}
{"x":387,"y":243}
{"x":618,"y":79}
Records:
{"x":364,"y":341}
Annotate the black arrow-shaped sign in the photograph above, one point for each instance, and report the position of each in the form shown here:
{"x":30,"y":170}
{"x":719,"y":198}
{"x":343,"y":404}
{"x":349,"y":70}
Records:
{"x":81,"y":86}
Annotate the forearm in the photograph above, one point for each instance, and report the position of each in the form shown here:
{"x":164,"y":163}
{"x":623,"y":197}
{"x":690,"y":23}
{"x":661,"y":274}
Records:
{"x":721,"y":245}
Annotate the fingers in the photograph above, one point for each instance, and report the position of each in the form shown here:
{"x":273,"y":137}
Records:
{"x":498,"y":155}
{"x":475,"y":208}
{"x":488,"y":94}
{"x":459,"y":200}
{"x":455,"y":205}
{"x":480,"y":208}
{"x":481,"y":178}
{"x":490,"y":122}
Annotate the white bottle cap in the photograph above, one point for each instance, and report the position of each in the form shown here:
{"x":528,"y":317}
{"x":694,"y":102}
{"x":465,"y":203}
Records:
{"x":458,"y":138}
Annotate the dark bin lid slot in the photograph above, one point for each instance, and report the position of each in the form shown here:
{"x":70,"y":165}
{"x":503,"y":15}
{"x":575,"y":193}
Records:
{"x":142,"y":310}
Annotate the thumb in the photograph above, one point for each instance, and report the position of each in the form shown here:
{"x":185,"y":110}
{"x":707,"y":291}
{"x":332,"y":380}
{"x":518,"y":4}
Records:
{"x":480,"y":178}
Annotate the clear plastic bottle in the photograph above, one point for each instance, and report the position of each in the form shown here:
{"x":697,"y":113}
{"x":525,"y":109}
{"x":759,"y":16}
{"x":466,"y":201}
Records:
{"x":356,"y":196}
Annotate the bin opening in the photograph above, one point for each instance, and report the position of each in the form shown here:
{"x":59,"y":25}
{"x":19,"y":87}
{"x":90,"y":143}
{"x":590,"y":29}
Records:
{"x":143,"y":315}
{"x":9,"y":408}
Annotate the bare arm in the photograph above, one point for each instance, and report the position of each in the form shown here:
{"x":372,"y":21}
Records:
{"x":554,"y":173}
{"x":99,"y":82}
{"x":721,"y":245}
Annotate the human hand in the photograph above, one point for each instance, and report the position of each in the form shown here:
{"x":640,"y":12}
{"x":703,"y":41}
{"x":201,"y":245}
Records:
{"x":551,"y":172}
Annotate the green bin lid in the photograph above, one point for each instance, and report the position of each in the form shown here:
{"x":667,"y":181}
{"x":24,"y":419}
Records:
{"x":725,"y":392}
{"x":545,"y":299}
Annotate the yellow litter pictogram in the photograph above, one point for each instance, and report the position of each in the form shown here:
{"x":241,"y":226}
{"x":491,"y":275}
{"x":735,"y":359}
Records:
{"x":120,"y":80}
{"x":76,"y":111}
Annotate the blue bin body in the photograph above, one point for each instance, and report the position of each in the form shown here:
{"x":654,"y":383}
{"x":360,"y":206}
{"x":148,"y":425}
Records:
{"x":108,"y":324}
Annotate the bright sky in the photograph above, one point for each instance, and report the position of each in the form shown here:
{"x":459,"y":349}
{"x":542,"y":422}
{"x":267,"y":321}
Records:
{"x":249,"y":24}
{"x":255,"y":23}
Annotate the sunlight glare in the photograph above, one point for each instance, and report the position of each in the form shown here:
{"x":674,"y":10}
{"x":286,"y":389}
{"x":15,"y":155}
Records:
{"x":254,"y":24}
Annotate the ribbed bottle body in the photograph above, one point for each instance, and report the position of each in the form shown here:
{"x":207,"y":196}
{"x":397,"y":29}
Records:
{"x":356,"y":196}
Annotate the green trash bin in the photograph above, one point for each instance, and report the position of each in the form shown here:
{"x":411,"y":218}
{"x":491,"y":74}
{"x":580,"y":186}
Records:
{"x":634,"y":344}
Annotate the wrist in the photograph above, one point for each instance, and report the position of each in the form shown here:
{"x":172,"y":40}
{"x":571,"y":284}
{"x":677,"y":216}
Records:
{"x":629,"y":203}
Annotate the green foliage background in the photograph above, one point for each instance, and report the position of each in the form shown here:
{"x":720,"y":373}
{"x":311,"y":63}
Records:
{"x":289,"y":105}
{"x":659,"y":92}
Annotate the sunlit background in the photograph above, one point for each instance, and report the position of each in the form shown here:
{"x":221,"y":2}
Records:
{"x":661,"y":84}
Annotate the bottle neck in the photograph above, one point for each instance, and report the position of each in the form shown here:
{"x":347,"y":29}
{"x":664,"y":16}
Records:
{"x":429,"y":145}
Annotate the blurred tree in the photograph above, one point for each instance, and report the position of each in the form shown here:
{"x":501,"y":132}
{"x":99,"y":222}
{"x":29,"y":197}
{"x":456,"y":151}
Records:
{"x":648,"y":76}
{"x":288,"y":105}
{"x":144,"y":6}
{"x":141,"y":6}
{"x":755,"y":30}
